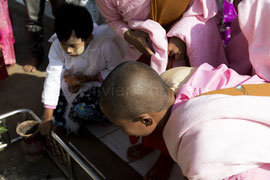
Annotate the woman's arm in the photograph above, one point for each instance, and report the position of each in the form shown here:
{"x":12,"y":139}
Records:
{"x":113,"y":17}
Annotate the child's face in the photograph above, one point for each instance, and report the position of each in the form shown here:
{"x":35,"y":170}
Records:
{"x":75,"y":46}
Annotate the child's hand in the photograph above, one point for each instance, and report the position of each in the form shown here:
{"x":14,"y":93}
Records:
{"x":46,"y":124}
{"x":45,"y":127}
{"x":176,"y":48}
{"x":73,"y":82}
{"x":138,"y":39}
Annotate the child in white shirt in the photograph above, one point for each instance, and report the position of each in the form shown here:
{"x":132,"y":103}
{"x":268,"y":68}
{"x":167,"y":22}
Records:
{"x":79,"y":60}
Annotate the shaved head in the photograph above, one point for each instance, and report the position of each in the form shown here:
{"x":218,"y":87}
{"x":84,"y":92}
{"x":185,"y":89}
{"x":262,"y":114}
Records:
{"x":133,"y":88}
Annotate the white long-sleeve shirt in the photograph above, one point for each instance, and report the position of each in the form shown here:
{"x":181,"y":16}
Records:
{"x":104,"y":52}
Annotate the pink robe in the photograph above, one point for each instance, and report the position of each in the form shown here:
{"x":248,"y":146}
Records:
{"x":6,"y":34}
{"x":219,"y":136}
{"x":254,"y":23}
{"x":197,"y":28}
{"x":237,"y":51}
{"x":207,"y":78}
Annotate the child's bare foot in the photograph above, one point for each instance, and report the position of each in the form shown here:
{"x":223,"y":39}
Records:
{"x":31,"y":65}
{"x":161,"y":169}
{"x":137,"y":152}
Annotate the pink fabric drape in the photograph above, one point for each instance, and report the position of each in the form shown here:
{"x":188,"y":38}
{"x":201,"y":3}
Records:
{"x":6,"y":34}
{"x":216,"y":136}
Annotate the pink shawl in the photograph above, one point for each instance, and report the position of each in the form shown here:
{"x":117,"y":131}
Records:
{"x":217,"y":136}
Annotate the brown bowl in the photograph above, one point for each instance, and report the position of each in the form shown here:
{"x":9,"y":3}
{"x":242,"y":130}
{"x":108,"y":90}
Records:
{"x":27,"y":128}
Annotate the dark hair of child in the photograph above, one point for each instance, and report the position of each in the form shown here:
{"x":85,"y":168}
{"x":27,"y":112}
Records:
{"x":75,"y":18}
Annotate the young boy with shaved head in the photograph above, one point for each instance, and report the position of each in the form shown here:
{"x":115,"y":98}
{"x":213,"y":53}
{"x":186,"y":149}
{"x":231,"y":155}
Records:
{"x":221,"y":135}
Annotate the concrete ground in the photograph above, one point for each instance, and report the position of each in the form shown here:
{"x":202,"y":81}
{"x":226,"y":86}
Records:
{"x":23,"y":90}
{"x":13,"y":166}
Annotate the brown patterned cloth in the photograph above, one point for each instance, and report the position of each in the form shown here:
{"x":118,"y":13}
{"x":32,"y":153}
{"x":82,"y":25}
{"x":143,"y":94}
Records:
{"x":167,"y":12}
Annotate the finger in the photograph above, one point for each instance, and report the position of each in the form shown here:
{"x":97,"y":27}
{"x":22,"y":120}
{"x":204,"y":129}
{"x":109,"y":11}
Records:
{"x":172,"y":50}
{"x":146,"y":49}
{"x":170,"y":53}
{"x":178,"y":56}
{"x":169,"y":50}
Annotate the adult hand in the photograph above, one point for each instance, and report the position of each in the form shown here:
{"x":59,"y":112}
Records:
{"x":176,"y":48}
{"x":138,"y":39}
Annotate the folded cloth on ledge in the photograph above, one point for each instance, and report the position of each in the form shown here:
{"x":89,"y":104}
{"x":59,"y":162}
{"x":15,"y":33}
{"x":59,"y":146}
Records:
{"x":217,"y":136}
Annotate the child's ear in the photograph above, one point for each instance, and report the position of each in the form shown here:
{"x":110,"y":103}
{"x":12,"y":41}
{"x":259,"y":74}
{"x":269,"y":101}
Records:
{"x":146,"y":119}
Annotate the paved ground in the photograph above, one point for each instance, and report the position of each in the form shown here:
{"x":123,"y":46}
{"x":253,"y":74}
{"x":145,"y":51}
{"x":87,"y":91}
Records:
{"x":13,"y":166}
{"x":23,"y":90}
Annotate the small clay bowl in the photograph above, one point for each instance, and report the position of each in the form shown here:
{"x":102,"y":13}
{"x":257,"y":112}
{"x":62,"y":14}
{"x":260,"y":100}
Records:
{"x":27,"y":128}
